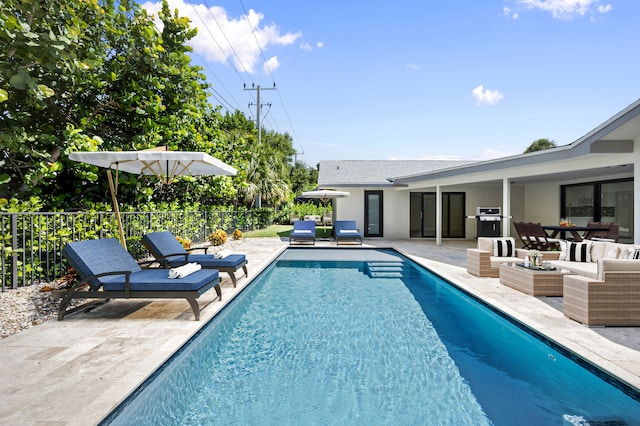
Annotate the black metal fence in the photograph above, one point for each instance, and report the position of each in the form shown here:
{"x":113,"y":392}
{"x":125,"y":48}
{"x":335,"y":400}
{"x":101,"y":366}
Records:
{"x":31,"y":246}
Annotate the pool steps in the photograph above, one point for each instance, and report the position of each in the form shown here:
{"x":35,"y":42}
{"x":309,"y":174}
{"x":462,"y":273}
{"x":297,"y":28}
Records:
{"x":389,"y":269}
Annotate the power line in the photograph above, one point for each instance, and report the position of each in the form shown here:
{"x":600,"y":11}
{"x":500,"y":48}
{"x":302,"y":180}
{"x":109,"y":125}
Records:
{"x":266,"y":63}
{"x":228,"y":42}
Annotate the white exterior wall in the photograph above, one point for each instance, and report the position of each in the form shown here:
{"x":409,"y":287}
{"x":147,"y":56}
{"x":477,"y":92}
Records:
{"x":542,"y":203}
{"x":351,"y":207}
{"x":396,"y":214}
{"x":395,"y":210}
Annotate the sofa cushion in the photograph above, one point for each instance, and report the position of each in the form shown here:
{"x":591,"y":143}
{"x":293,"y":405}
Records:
{"x":586,"y":269}
{"x":617,"y":265}
{"x":575,"y":252}
{"x":485,"y":244}
{"x":504,"y":247}
{"x":496,"y":261}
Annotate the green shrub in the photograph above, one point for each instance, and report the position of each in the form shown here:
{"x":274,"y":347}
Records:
{"x":218,"y":238}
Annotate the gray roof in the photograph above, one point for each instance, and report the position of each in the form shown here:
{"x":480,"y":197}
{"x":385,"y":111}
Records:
{"x":375,"y":172}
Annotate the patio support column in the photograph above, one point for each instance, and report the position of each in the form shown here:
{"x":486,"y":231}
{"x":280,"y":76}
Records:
{"x":506,"y":207}
{"x":636,"y":199}
{"x":438,"y":216}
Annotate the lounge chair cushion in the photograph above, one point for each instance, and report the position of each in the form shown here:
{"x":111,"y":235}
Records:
{"x":208,"y":261}
{"x":106,"y":256}
{"x":303,"y":230}
{"x":157,"y":280}
{"x":165,"y":244}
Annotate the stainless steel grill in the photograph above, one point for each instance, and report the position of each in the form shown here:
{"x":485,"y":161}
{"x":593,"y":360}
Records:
{"x":488,"y":221}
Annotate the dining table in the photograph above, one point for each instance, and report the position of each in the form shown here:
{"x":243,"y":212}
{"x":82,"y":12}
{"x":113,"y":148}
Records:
{"x":573,"y":230}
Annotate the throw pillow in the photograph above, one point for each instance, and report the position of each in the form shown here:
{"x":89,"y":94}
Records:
{"x":613,"y":253}
{"x":504,"y":247}
{"x":577,"y":252}
{"x":634,"y":254}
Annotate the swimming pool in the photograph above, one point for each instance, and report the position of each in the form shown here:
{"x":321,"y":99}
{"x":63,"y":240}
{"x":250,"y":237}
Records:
{"x":367,"y":337}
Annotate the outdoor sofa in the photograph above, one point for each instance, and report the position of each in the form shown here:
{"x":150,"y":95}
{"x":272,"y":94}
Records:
{"x":605,"y":290}
{"x":169,"y":253}
{"x":485,"y":260}
{"x":111,"y":273}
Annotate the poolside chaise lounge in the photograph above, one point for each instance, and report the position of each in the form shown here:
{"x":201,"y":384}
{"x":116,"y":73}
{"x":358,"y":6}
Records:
{"x":303,"y":231}
{"x":346,"y":230}
{"x":111,"y":273}
{"x":170,"y":253}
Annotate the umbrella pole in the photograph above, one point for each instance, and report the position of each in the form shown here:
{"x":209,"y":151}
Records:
{"x":116,"y":208}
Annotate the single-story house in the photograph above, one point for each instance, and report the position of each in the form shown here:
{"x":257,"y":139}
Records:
{"x":589,"y":179}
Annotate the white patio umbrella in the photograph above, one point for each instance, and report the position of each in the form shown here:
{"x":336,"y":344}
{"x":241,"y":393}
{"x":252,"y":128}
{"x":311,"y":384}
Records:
{"x":165,"y":165}
{"x":325,"y":195}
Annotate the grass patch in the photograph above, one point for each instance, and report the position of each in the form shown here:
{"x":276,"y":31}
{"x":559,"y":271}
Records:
{"x":283,"y":231}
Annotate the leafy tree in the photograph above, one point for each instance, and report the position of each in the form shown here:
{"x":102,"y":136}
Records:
{"x":303,"y":178}
{"x":540,"y":145}
{"x":97,"y":75}
{"x":48,"y":48}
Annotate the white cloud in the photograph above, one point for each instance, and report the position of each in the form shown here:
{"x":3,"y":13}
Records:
{"x":306,"y":46}
{"x":567,"y":9}
{"x":222,"y":38}
{"x":413,"y":66}
{"x":485,"y":96}
{"x":506,"y":11}
{"x":604,"y":9}
{"x":271,"y":65}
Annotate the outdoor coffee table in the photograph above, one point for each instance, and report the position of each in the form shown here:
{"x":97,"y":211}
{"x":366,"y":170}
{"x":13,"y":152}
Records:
{"x":536,"y":282}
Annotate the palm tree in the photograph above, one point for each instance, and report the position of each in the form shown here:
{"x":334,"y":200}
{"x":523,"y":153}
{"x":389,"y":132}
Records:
{"x":540,"y":145}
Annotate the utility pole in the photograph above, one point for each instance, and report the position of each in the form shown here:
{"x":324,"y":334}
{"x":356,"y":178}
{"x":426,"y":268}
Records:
{"x":258,"y":89}
{"x":259,"y":106}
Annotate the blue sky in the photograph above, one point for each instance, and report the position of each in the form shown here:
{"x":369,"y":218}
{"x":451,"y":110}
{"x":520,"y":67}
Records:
{"x":450,"y":79}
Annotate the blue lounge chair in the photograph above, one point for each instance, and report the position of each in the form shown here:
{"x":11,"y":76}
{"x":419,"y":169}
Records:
{"x":170,"y":253}
{"x":346,"y":230}
{"x":111,"y":273}
{"x":304,"y":231}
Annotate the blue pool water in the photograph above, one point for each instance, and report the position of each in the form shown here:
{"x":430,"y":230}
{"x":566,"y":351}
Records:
{"x":366,"y":337}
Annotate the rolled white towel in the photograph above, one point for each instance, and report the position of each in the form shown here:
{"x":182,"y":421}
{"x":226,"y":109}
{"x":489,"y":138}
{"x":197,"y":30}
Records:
{"x":184,"y":270}
{"x":221,"y":254}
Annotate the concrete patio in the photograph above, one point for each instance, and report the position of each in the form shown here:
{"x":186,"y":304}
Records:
{"x":74,"y":372}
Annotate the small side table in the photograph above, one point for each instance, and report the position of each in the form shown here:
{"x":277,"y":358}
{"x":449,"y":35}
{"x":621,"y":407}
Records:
{"x":536,"y":282}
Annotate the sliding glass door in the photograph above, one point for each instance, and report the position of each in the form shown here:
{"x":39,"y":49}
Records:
{"x":422,"y":221}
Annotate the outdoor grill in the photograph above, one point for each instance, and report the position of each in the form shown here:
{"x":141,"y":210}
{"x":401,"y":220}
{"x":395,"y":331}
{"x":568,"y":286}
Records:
{"x":488,"y":220}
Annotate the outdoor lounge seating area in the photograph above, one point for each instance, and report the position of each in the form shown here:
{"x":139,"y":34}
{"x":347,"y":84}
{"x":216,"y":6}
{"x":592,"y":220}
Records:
{"x":600,"y":279}
{"x":107,"y":271}
{"x":169,"y":253}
